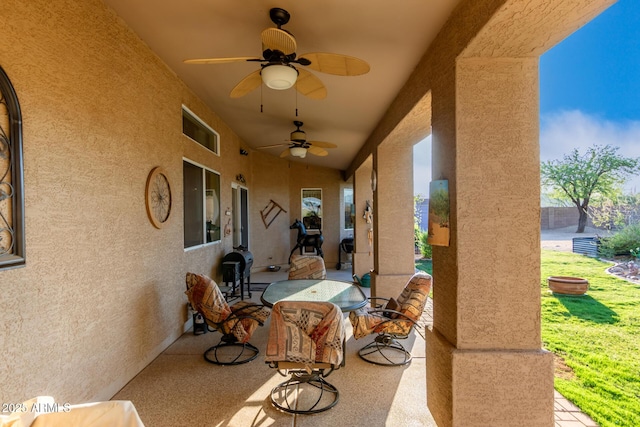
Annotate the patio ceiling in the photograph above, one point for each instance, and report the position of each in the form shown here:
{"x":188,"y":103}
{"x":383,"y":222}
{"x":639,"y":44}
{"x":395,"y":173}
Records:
{"x":391,"y":37}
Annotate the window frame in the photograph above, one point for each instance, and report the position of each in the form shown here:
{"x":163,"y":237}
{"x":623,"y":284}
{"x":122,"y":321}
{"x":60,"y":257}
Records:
{"x":204,"y":126}
{"x":306,"y":198}
{"x":204,"y":169}
{"x":14,"y":189}
{"x":344,"y":208}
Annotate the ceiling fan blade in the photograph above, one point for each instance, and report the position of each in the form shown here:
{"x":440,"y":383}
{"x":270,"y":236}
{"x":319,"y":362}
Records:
{"x":285,"y":153}
{"x":317,"y":151}
{"x":310,"y":86}
{"x":323,"y":144}
{"x":264,"y":147}
{"x":334,"y":63}
{"x":277,"y":39}
{"x":221,"y":60}
{"x":246,"y":85}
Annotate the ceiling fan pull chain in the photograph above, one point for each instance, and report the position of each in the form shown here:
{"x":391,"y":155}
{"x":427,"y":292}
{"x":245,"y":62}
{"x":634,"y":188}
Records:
{"x":261,"y":97}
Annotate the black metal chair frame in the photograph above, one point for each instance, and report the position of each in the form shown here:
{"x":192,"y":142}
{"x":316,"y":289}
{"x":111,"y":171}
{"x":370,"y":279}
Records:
{"x":385,"y":341}
{"x":229,"y":340}
{"x":299,"y":377}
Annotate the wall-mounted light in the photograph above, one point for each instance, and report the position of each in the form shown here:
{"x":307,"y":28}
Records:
{"x":240,"y":178}
{"x":244,"y":152}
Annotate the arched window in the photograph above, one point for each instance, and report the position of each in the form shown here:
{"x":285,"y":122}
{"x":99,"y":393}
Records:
{"x":12,"y":240}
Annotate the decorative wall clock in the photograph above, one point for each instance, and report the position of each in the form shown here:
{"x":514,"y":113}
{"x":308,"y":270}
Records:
{"x":158,"y":197}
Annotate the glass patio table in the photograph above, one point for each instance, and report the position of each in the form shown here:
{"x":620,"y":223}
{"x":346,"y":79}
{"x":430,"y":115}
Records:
{"x":345,"y":295}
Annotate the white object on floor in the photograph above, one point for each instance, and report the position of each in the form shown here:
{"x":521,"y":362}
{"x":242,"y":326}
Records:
{"x":44,"y":411}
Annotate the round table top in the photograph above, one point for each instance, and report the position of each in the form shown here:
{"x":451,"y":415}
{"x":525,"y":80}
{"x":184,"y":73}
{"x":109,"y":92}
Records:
{"x":345,"y":295}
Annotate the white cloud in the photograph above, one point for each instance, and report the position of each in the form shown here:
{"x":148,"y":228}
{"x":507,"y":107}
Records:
{"x":561,"y":132}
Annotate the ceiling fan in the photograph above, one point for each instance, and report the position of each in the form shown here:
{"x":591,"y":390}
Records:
{"x":277,"y":69}
{"x":299,"y":146}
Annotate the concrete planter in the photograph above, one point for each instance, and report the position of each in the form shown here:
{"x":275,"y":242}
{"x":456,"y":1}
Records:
{"x":568,"y":285}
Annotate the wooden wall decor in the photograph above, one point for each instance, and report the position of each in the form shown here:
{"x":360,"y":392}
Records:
{"x":270,"y":212}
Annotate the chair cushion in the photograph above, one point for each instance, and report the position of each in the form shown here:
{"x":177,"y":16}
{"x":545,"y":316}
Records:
{"x":306,"y":333}
{"x":243,"y":328}
{"x":392,"y":304}
{"x":307,"y":267}
{"x":412,"y":301}
{"x":205,"y":297}
{"x":414,"y":296}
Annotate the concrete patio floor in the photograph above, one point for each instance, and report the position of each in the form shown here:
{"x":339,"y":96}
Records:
{"x":179,"y":388}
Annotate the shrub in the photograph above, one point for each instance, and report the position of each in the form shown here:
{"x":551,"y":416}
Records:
{"x":425,"y":248}
{"x":620,"y":243}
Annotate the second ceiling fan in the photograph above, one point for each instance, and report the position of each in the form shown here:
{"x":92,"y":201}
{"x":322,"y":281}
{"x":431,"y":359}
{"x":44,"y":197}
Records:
{"x":299,"y":146}
{"x":277,"y":69}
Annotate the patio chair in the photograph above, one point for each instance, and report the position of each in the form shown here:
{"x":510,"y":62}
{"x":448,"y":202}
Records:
{"x":392,"y":320}
{"x":306,"y":342}
{"x":307,"y":267}
{"x":236,"y":323}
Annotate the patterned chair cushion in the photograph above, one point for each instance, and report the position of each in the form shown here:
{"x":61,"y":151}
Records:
{"x":243,"y":328}
{"x":307,"y":267}
{"x":306,"y":333}
{"x":411,"y":304}
{"x":205,"y":297}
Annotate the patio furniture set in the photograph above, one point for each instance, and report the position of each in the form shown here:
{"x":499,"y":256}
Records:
{"x":306,"y":340}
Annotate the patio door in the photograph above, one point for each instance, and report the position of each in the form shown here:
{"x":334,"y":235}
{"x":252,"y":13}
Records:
{"x":240,"y":212}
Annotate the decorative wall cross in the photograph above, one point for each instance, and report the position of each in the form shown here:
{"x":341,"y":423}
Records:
{"x":270,"y":212}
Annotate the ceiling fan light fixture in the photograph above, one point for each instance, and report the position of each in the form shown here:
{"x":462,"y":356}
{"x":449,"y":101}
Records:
{"x":279,"y":76}
{"x":298,"y":136}
{"x":298,"y":152}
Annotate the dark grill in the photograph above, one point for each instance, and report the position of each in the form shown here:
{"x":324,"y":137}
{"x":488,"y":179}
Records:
{"x":236,"y":266}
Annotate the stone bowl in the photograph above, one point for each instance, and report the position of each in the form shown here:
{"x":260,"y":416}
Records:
{"x":566,"y":285}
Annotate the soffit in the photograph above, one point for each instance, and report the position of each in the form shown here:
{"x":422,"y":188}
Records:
{"x":391,"y":37}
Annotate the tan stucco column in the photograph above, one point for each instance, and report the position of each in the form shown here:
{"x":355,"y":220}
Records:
{"x":363,"y":232}
{"x":393,"y":217}
{"x":484,"y":359}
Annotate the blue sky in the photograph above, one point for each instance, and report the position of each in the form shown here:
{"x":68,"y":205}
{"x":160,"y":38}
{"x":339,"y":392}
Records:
{"x":589,"y":92}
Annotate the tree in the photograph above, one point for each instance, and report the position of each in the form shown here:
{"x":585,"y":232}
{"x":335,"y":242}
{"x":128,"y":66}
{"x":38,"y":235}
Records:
{"x":616,"y":212}
{"x":420,"y":236}
{"x":578,"y":177}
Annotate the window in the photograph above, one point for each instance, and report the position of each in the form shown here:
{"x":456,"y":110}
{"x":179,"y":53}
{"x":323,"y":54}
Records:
{"x":349,"y":209}
{"x":312,"y":208}
{"x":198,"y":131}
{"x":201,"y":205}
{"x":12,"y":236}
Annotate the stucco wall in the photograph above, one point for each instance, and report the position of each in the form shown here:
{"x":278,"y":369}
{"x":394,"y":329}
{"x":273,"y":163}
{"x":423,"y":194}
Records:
{"x":481,"y":71}
{"x":271,"y":177}
{"x":304,"y":176}
{"x":102,"y":292}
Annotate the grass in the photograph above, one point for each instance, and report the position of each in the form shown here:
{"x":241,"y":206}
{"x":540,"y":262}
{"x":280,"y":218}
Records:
{"x":424,"y":265}
{"x":596,"y":339}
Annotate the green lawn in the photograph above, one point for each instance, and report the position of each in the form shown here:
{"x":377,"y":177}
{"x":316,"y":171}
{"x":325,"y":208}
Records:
{"x":424,"y":265}
{"x":597,"y":336}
